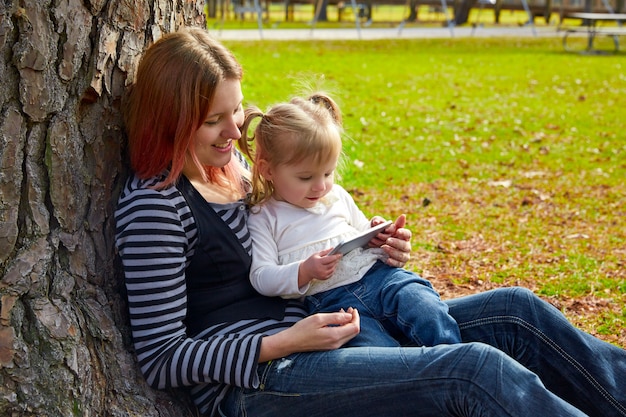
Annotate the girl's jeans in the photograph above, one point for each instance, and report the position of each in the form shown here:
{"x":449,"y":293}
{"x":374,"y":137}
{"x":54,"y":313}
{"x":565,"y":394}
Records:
{"x":541,"y":366}
{"x":395,"y":305}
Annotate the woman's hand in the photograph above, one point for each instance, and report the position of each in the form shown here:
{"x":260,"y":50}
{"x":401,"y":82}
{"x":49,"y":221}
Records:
{"x":398,"y":244}
{"x":322,"y":331}
{"x":395,"y":241}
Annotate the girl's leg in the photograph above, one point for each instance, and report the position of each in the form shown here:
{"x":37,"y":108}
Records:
{"x":447,"y":380}
{"x":585,"y":371}
{"x":372,"y":331}
{"x":410,"y":304}
{"x":394,"y":305}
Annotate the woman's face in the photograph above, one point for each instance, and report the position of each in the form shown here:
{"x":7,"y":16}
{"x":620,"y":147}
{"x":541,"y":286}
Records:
{"x":214,"y":140}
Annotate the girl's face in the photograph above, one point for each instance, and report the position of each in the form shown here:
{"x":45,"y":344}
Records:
{"x":214,"y":140}
{"x":302,"y":184}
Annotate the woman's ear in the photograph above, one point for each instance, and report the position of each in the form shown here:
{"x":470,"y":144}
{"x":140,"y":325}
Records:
{"x":264,"y":169}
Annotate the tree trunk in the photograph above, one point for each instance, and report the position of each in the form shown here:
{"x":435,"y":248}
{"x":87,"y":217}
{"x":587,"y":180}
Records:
{"x":64,"y":341}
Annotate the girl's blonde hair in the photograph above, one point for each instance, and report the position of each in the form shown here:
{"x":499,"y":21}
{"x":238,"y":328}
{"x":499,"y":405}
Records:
{"x":288,"y":133}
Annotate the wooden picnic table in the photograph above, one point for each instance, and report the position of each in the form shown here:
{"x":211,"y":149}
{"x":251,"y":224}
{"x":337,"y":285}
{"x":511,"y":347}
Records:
{"x":589,"y":25}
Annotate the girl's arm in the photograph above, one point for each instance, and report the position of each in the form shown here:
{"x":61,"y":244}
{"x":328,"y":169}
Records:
{"x":267,"y":276}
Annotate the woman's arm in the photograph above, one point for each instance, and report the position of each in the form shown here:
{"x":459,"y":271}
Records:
{"x":154,"y":232}
{"x":322,"y":331}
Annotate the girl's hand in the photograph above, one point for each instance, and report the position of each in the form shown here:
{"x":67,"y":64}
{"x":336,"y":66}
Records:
{"x":322,"y":331}
{"x":317,"y":266}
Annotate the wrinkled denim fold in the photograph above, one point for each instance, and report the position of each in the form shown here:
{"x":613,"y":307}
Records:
{"x":582,"y":369}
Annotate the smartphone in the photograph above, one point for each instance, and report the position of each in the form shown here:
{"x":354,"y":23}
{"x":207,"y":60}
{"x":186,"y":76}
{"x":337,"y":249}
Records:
{"x":359,"y":240}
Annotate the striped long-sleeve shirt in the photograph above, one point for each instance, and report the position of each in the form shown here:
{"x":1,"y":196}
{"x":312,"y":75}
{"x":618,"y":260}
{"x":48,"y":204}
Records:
{"x":155,"y":238}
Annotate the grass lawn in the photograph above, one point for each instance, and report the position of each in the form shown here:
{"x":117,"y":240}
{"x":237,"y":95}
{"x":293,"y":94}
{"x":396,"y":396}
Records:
{"x":507,"y":155}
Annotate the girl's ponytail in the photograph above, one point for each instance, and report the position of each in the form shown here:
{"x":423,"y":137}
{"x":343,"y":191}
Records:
{"x":247,"y":136}
{"x":323,"y":100}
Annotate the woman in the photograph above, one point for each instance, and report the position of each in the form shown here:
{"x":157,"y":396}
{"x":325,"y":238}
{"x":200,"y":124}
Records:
{"x":196,"y":322}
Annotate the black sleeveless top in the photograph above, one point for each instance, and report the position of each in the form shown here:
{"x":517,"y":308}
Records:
{"x":218,"y":284}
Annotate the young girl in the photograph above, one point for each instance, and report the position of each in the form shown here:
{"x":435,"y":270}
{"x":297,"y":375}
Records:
{"x":300,"y":214}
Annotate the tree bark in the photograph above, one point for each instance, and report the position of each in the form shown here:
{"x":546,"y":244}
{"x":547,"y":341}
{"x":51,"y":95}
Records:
{"x":65,"y":346}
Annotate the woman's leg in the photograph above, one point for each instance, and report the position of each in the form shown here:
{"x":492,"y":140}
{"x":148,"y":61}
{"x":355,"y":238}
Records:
{"x":447,"y":380}
{"x":585,"y":371}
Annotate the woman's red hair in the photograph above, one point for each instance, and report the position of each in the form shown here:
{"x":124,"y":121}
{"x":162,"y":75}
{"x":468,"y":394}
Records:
{"x":170,"y":99}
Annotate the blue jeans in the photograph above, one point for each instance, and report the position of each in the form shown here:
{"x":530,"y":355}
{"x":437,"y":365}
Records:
{"x":396,"y":306}
{"x":525,"y":359}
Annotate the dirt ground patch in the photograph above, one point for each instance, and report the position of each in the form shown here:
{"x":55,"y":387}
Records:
{"x":583,"y":312}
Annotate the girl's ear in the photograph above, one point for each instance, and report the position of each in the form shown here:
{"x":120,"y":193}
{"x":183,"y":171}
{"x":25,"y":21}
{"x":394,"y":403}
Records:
{"x":264,"y":169}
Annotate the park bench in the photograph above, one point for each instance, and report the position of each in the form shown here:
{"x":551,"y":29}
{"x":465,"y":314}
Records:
{"x":364,"y":6}
{"x":362,"y":10}
{"x":590,"y":25}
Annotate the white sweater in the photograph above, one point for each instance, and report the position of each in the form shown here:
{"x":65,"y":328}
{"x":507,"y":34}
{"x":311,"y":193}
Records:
{"x":284,"y":235}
